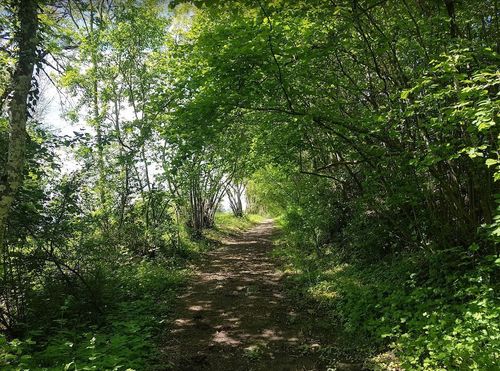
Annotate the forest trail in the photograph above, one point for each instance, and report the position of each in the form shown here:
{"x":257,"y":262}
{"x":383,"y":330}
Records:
{"x":235,"y":316}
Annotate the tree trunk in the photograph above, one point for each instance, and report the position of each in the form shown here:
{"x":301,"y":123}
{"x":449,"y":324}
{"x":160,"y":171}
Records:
{"x":234,"y":194}
{"x":450,"y":9}
{"x":12,"y":179}
{"x":205,"y":194}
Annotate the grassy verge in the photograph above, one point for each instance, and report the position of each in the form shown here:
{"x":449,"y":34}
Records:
{"x":410,"y":311}
{"x":226,"y":224}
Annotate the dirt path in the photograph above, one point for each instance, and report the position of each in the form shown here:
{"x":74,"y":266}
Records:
{"x":234,"y":315}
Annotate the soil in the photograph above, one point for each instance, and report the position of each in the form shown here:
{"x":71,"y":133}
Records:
{"x":235,"y":315}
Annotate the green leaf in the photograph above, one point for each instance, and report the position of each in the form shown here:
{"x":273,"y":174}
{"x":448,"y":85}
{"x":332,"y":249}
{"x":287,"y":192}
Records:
{"x":405,"y":94}
{"x":474,"y":247}
{"x":491,"y":162}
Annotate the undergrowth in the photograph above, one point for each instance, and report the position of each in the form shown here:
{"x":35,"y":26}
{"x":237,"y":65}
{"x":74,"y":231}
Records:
{"x":124,"y":337}
{"x":415,"y":305}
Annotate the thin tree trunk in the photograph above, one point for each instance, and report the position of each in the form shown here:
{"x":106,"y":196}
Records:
{"x":124,"y":173}
{"x":95,"y":111}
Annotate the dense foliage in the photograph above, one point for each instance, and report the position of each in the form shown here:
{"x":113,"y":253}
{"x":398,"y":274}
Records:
{"x":378,"y":125}
{"x":369,"y":127}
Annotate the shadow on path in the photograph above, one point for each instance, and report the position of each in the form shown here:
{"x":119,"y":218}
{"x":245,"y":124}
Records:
{"x":234,"y":315}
